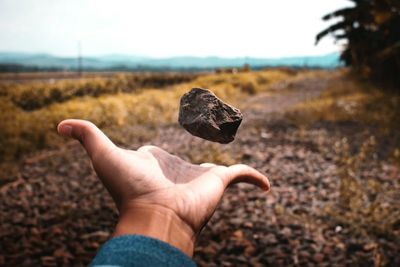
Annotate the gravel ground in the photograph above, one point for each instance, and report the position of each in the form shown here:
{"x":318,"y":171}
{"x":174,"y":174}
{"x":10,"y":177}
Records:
{"x":56,"y":213}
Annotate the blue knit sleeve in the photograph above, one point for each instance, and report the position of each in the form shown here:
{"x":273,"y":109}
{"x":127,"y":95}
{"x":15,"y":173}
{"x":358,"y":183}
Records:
{"x":138,"y":251}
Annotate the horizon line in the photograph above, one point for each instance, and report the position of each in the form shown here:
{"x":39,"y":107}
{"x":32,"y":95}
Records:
{"x":165,"y":57}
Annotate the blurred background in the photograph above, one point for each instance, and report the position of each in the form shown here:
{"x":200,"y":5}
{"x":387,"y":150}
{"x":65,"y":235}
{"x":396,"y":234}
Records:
{"x":318,"y":83}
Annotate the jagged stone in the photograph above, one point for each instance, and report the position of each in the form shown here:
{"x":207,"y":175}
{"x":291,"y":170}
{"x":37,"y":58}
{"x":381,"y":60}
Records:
{"x":204,"y":115}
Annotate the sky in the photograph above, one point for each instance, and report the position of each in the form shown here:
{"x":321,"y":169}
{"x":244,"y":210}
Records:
{"x":166,"y":28}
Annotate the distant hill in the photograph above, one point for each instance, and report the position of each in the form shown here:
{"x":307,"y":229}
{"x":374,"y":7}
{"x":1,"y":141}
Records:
{"x":109,"y":62}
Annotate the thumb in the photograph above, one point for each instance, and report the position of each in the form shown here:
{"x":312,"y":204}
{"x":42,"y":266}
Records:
{"x":244,"y":173}
{"x":92,"y":138}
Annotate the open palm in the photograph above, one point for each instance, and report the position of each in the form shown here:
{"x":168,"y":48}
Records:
{"x":151,"y":176}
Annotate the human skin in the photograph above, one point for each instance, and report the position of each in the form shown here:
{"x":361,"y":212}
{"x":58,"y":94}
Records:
{"x":158,"y":194}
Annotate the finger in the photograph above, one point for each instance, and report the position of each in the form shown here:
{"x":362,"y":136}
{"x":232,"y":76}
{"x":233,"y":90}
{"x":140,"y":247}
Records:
{"x":243,"y":173}
{"x":150,"y":148}
{"x":92,"y":138}
{"x":206,"y":164}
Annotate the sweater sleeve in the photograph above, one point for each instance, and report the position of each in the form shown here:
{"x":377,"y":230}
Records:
{"x":138,"y":251}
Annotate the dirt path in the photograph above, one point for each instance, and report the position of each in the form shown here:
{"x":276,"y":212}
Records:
{"x":285,"y":95}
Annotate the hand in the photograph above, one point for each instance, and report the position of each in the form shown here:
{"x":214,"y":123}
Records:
{"x":158,"y":194}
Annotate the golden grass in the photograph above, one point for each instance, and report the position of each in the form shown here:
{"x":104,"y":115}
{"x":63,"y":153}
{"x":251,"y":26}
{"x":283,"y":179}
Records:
{"x":25,"y":131}
{"x":347,"y":99}
{"x":38,"y":94}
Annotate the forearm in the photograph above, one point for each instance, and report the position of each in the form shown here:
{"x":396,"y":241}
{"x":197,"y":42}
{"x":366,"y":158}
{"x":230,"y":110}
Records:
{"x":157,"y":222}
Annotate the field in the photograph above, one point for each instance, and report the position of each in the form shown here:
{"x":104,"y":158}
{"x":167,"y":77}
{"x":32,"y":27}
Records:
{"x":328,"y":142}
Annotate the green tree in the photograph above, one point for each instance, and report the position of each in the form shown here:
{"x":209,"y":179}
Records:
{"x":371,"y":29}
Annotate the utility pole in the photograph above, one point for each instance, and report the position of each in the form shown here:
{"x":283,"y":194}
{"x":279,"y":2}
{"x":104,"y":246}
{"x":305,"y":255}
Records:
{"x":79,"y":59}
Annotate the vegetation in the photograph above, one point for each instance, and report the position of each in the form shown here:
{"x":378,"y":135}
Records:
{"x":31,"y":111}
{"x":349,"y":100}
{"x":334,"y":176}
{"x":372,"y":31}
{"x":363,"y":201}
{"x":30,"y":96}
{"x":366,"y":202}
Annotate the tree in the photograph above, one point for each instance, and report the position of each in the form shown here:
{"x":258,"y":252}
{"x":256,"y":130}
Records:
{"x":372,"y":31}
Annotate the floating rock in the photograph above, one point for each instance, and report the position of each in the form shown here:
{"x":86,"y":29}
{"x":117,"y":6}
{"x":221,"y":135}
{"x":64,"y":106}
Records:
{"x":204,"y":115}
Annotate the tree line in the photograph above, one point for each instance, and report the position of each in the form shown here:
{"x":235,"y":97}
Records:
{"x":371,"y":29}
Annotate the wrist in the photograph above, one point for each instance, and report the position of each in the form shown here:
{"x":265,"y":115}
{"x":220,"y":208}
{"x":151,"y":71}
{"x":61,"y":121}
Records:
{"x":158,"y":222}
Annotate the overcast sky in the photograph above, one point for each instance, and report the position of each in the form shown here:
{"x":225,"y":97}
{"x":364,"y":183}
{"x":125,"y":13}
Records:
{"x":258,"y":28}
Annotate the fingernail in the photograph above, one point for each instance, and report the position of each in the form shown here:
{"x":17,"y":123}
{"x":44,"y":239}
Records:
{"x":66,"y":130}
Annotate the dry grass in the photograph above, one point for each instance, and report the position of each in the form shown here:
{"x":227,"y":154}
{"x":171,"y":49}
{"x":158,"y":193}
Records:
{"x":103,"y":102}
{"x":37,"y":94}
{"x":367,"y":204}
{"x":347,"y":99}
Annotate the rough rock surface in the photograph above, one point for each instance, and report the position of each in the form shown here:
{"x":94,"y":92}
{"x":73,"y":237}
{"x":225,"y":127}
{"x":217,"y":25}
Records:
{"x":204,"y":115}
